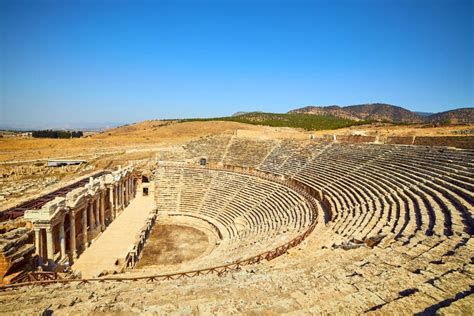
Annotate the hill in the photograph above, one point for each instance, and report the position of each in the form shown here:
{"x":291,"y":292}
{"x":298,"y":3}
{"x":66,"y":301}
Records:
{"x":368,"y":112}
{"x":331,"y":110}
{"x":465,"y":115}
{"x":295,"y":120}
{"x":383,"y":112}
{"x":239,"y":113}
{"x":388,"y":113}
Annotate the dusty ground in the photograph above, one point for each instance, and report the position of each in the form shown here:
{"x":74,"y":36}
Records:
{"x":150,"y":135}
{"x":141,"y":136}
{"x":384,"y":130}
{"x":314,"y":284}
{"x":172,"y":244}
{"x":144,"y":140}
{"x":306,"y":281}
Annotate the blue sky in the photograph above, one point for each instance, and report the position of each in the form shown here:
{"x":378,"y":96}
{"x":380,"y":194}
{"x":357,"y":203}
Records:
{"x":126,"y":61}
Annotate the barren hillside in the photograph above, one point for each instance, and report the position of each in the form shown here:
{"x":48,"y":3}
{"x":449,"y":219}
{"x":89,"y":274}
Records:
{"x":153,"y":134}
{"x":389,"y":113}
{"x":371,"y":112}
{"x":465,"y":115}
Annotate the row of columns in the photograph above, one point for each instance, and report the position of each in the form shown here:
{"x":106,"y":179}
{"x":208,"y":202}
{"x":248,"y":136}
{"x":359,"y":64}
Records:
{"x":93,"y":213}
{"x":121,"y":195}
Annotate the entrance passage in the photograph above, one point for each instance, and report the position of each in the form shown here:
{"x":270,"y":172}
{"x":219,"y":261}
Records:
{"x":115,"y":242}
{"x":173,"y":244}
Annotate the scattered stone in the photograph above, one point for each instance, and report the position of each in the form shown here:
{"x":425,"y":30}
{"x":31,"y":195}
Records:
{"x":371,"y":242}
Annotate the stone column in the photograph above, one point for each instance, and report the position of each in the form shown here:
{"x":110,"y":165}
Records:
{"x":134,"y":187}
{"x":116,"y":199}
{"x":125,"y":193}
{"x":62,"y":240}
{"x":119,"y":196}
{"x":111,"y":201}
{"x":102,"y":210}
{"x":96,"y":210}
{"x":90,"y":206}
{"x":38,"y":241}
{"x":84,"y":227}
{"x":127,"y":190}
{"x":50,"y":243}
{"x":72,"y":237}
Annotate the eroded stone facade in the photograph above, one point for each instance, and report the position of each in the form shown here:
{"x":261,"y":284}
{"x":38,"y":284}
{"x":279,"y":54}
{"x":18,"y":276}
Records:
{"x":65,"y":226}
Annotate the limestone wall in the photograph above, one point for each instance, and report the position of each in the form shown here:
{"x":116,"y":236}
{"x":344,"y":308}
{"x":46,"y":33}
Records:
{"x":16,"y":245}
{"x":465,"y":142}
{"x":400,"y":140}
{"x":355,"y":139}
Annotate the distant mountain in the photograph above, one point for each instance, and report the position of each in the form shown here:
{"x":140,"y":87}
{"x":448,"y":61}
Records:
{"x":383,"y":112}
{"x":424,"y":114}
{"x":464,"y":115}
{"x":239,"y":113}
{"x":374,"y":111}
{"x":388,"y":112}
{"x":332,"y":110}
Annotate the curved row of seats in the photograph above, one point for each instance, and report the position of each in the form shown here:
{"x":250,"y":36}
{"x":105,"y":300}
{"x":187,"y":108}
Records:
{"x":258,"y":215}
{"x":355,"y":176}
{"x":420,"y":199}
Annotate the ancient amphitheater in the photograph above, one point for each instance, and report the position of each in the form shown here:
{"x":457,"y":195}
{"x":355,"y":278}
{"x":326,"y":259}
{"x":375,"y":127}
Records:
{"x":286,"y":226}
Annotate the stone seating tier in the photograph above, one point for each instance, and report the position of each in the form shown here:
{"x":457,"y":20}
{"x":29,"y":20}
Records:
{"x":258,"y":215}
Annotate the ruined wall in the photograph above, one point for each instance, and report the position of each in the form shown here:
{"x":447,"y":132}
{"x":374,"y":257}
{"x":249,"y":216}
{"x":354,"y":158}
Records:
{"x":16,"y":245}
{"x":400,"y":140}
{"x":355,"y":139}
{"x":19,"y":180}
{"x":465,"y":142}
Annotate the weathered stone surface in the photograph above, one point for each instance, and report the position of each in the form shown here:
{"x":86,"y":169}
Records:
{"x":373,"y":241}
{"x":403,"y":211}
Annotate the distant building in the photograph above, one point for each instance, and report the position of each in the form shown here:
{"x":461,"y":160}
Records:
{"x":62,"y":162}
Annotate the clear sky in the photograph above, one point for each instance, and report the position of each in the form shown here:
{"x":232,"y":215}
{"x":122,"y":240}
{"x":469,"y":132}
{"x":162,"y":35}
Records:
{"x":107,"y":61}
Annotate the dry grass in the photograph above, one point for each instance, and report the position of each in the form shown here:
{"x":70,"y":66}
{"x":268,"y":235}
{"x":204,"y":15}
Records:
{"x":146,"y":134}
{"x":153,"y":134}
{"x":384,"y":130}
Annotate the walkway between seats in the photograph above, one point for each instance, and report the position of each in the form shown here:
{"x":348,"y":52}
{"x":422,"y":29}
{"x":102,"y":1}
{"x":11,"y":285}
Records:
{"x":116,"y":240}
